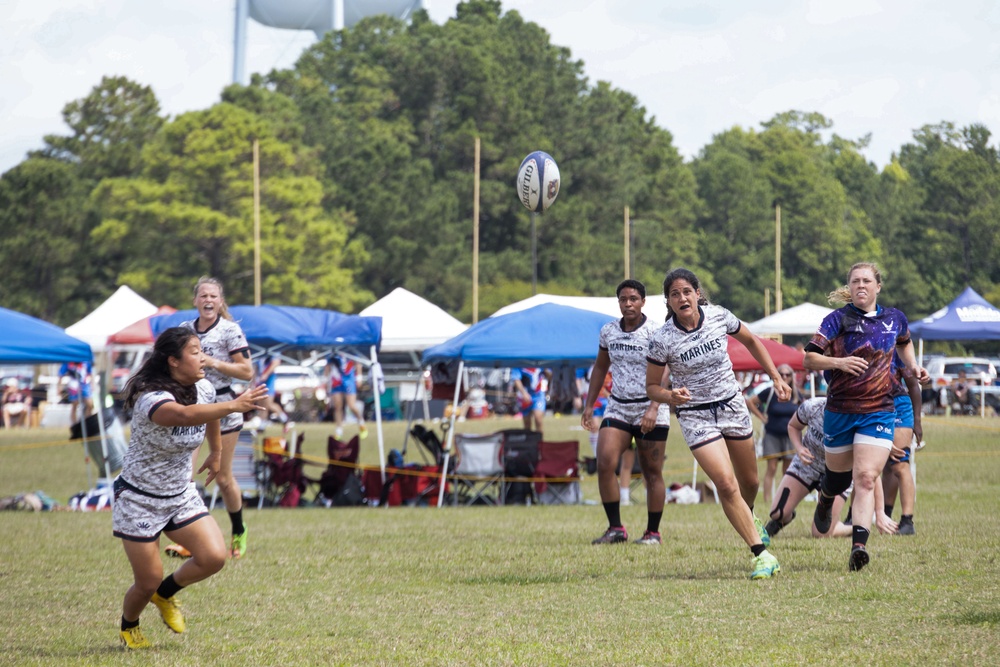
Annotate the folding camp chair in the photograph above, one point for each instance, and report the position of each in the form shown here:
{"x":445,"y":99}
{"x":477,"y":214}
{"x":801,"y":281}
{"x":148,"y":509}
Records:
{"x":335,"y":486}
{"x":558,"y":461}
{"x":479,"y":469}
{"x":520,"y":457}
{"x":283,"y":481}
{"x":248,"y":472}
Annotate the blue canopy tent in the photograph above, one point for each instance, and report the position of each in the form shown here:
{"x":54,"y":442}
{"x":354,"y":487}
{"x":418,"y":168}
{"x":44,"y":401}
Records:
{"x":281,"y":330}
{"x":545,"y":335}
{"x":968,"y":317}
{"x":28,"y":340}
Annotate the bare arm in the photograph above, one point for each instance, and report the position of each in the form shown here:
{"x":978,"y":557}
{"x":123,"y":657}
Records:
{"x":214,"y":459}
{"x":753,"y":404}
{"x":815,"y":361}
{"x":175,"y":414}
{"x":795,"y":429}
{"x":597,"y":375}
{"x":659,"y":393}
{"x":239,"y":366}
{"x":760,"y":353}
{"x":648,"y":421}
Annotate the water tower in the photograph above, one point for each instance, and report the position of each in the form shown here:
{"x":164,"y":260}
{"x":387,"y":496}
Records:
{"x":316,"y":15}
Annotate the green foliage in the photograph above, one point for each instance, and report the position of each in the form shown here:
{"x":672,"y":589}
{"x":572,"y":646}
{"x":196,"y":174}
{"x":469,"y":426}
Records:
{"x":367,"y":162}
{"x":191,"y":214}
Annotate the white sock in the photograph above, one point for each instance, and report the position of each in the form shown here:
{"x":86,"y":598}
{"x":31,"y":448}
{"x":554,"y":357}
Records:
{"x":624,"y":493}
{"x":593,"y":443}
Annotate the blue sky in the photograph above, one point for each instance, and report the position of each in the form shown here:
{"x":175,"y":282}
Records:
{"x":699,"y":66}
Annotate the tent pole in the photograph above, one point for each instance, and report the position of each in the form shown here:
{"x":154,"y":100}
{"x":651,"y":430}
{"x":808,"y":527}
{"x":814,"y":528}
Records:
{"x":377,"y":379}
{"x":451,"y":433}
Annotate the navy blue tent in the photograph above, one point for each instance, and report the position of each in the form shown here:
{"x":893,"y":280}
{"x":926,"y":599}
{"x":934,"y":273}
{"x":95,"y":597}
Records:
{"x":546,"y":335}
{"x":28,"y":340}
{"x":277,"y":328}
{"x":968,"y":317}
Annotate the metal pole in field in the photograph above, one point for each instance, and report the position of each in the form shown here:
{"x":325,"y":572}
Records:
{"x":256,"y":222}
{"x":628,"y":248}
{"x":475,"y":239}
{"x":534,"y":256}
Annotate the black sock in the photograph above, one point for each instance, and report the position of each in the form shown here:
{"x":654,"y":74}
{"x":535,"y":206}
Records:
{"x":861,"y":535}
{"x":849,"y":520}
{"x":168,"y":587}
{"x":888,"y":510}
{"x":237,"y":519}
{"x":128,"y":625}
{"x":653,"y":522}
{"x":613,"y":510}
{"x":906,"y":518}
{"x":758,"y":549}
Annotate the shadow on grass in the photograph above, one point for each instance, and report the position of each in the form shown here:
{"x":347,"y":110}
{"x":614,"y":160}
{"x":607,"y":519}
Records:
{"x":979,"y":618}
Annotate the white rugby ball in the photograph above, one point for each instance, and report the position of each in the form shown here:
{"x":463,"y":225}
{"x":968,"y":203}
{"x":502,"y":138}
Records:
{"x":538,"y":181}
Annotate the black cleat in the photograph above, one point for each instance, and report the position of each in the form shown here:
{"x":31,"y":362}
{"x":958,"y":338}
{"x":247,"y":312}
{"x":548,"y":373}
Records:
{"x":824,"y":514}
{"x":613,"y":535}
{"x":906,"y":527}
{"x":859,"y":558}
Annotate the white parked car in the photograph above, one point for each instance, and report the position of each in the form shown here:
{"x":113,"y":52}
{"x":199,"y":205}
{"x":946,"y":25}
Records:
{"x":945,"y":369}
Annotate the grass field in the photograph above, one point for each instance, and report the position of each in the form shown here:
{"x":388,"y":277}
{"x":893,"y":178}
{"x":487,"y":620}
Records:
{"x":517,"y":585}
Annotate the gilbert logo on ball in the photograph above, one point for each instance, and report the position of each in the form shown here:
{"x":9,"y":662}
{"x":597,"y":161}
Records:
{"x":538,"y":181}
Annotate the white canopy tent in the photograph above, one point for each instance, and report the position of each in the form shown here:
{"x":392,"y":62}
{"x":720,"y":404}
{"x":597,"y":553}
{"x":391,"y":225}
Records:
{"x":655,"y":308}
{"x":412,"y":323}
{"x":121,"y":309}
{"x":801,"y":320}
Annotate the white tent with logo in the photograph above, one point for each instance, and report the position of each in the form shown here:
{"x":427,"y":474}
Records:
{"x":121,"y":309}
{"x":801,"y":320}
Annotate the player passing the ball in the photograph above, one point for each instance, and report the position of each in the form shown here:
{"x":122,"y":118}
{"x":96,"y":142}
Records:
{"x":709,"y":404}
{"x":174,"y":410}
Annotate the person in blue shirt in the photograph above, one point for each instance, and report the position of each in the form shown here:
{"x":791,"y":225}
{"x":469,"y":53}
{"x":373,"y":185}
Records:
{"x":78,"y":387}
{"x":530,"y":385}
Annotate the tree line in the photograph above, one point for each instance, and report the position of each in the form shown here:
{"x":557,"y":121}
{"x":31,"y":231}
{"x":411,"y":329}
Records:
{"x":366,"y":177}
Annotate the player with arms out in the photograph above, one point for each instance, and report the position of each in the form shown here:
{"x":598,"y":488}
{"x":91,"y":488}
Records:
{"x":174,"y":410}
{"x":709,"y":404}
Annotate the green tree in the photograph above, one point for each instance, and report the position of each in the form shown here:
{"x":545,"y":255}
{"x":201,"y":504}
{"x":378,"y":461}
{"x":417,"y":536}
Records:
{"x":191,"y":213}
{"x":45,"y":249}
{"x":110,"y":127}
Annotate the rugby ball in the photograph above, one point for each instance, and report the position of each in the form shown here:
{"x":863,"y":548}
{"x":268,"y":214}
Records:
{"x":538,"y":181}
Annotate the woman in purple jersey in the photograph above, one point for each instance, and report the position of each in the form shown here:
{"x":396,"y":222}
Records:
{"x":709,"y":404}
{"x":856,"y":344}
{"x":154,"y":493}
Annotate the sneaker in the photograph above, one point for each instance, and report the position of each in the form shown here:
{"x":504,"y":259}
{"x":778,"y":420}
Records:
{"x":823,"y":516}
{"x":338,"y":433}
{"x":765,"y":566}
{"x":133,"y":638}
{"x":649,"y":537}
{"x":170,"y":611}
{"x":613,"y":535}
{"x":765,"y":538}
{"x":177,"y":551}
{"x":238,"y":547}
{"x":363,"y":433}
{"x":859,"y":558}
{"x":289,"y":426}
{"x":906,"y":528}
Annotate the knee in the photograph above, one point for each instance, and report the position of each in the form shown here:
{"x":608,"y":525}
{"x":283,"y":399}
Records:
{"x":212,"y":560}
{"x":865,"y":480}
{"x":728,"y":489}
